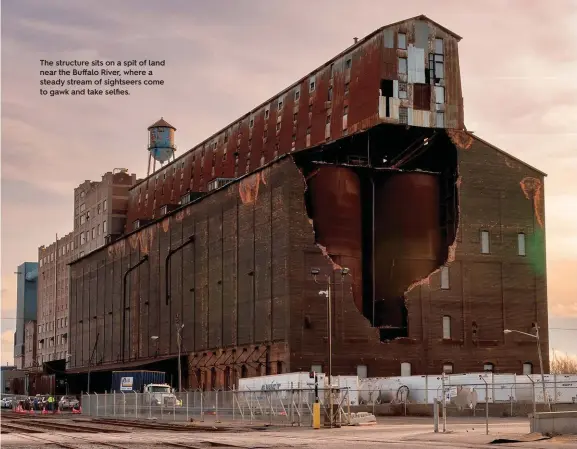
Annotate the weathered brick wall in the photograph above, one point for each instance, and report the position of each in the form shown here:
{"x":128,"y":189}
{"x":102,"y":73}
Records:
{"x":229,"y":287}
{"x":497,"y":290}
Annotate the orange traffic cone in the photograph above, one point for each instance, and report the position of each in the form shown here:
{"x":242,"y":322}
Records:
{"x":58,"y":412}
{"x":44,"y":411}
{"x":31,"y":411}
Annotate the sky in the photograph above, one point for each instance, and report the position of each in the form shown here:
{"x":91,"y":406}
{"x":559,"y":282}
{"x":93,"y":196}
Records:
{"x":518,"y":62}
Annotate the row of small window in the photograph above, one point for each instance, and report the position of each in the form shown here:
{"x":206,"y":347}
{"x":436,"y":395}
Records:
{"x":402,"y":43}
{"x":486,"y":243}
{"x":85,"y":235}
{"x":62,"y":250}
{"x":60,"y":340}
{"x":406,"y":369}
{"x":51,"y":356}
{"x":60,"y":323}
{"x":100,"y":207}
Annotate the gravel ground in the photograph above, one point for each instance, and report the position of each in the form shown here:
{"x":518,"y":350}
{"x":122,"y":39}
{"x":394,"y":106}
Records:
{"x":388,"y":432}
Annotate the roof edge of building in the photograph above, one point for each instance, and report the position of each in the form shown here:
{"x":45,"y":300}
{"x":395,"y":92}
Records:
{"x":178,"y":209}
{"x":516,"y":159}
{"x":298,"y":82}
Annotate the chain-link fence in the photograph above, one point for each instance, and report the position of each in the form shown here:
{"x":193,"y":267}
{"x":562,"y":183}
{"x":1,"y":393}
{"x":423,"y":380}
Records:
{"x":276,"y":407}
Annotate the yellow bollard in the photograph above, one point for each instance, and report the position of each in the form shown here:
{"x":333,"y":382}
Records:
{"x":316,"y":415}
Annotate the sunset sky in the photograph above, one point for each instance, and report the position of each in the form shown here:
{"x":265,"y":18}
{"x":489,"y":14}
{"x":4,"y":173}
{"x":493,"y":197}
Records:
{"x":518,"y":66}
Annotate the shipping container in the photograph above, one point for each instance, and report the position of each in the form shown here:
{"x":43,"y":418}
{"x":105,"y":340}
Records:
{"x":135,"y":380}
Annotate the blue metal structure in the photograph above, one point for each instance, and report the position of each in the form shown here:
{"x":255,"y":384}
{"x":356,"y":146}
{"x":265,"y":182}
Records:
{"x":26,"y":298}
{"x":161,"y":141}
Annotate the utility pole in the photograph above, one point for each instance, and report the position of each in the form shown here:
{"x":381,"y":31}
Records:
{"x":90,"y":361}
{"x":327,"y":293}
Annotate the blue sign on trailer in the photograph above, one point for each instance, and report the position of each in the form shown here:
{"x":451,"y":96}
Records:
{"x":135,"y":380}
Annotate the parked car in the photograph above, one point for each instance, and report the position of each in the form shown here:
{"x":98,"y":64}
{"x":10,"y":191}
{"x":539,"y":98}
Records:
{"x":67,"y":402}
{"x":7,"y":402}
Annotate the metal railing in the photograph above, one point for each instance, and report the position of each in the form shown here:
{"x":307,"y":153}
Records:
{"x":292,"y":407}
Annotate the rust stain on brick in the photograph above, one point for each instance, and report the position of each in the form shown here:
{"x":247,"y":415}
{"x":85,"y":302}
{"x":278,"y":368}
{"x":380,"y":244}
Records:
{"x":461,"y":139}
{"x":532,"y":189}
{"x":117,"y":249}
{"x":179,"y":216}
{"x":165,"y":224}
{"x":248,"y":188}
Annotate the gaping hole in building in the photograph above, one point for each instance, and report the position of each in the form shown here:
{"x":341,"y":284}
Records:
{"x":384,"y":203}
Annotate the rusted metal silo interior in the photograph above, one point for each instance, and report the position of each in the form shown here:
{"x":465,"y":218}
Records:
{"x":384,"y":205}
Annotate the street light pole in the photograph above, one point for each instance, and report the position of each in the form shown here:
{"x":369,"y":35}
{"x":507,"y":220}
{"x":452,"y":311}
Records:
{"x":328,"y":294}
{"x":537,"y":337}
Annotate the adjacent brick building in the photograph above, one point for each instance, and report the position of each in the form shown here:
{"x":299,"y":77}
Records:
{"x":99,"y":217}
{"x":442,"y":235}
{"x":53,"y":291}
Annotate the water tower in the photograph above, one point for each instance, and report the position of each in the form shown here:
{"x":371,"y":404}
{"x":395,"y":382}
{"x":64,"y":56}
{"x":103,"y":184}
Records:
{"x":161,"y":146}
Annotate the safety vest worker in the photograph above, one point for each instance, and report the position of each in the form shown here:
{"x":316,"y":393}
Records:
{"x":50,"y":403}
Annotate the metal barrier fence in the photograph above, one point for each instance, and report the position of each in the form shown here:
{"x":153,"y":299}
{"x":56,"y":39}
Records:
{"x":276,"y":407}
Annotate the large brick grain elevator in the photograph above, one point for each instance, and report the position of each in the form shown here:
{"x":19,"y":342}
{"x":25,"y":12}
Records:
{"x":364,"y":164}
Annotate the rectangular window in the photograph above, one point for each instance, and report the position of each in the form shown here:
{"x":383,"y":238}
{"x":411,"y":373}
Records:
{"x":439,"y":46}
{"x":439,"y":70}
{"x":297,"y":95}
{"x":439,"y":94}
{"x":104,"y":205}
{"x":98,"y":229}
{"x":402,"y":65}
{"x":402,"y":41}
{"x":266,"y":114}
{"x":330,"y":94}
{"x":104,"y":227}
{"x":402,"y":90}
{"x":403,"y":115}
{"x":93,"y":233}
{"x":521,"y":244}
{"x":82,"y":207}
{"x":362,"y":371}
{"x":527,"y":368}
{"x":445,"y":278}
{"x":347,"y":85}
{"x":446,"y":327}
{"x":98,"y":208}
{"x":448,"y":368}
{"x":251,"y":123}
{"x":405,"y":369}
{"x":312,"y":85}
{"x":317,"y":368}
{"x":348,"y":63}
{"x":440,"y":119}
{"x":280,"y":105}
{"x":82,"y":219}
{"x":485,"y":247}
{"x":82,"y":238}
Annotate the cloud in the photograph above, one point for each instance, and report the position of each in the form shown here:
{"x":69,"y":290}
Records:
{"x":517,"y":62}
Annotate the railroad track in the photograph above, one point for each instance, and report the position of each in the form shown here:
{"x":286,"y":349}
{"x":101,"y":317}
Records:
{"x":70,"y":445}
{"x":58,"y":426}
{"x":201,"y":445}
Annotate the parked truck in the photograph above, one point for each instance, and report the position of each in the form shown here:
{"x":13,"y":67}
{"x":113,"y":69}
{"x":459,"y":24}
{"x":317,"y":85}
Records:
{"x":155,"y":391}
